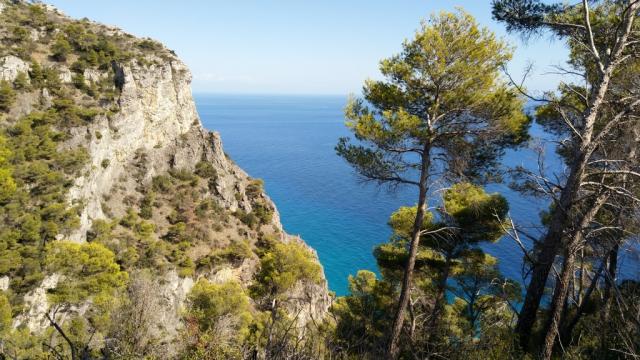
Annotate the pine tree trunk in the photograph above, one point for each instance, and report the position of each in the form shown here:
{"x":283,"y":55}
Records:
{"x":552,"y":242}
{"x":559,"y":297}
{"x":441,"y":291}
{"x":575,"y":243}
{"x":546,"y":255}
{"x":610,"y":279}
{"x":566,"y":332}
{"x":392,"y":347}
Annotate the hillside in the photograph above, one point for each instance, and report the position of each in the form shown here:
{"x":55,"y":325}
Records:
{"x":106,"y":169}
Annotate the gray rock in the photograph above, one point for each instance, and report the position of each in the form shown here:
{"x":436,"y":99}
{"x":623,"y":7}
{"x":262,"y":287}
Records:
{"x":11,"y":66}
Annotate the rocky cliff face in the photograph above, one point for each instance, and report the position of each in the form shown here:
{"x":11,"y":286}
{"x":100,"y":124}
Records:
{"x":152,"y":128}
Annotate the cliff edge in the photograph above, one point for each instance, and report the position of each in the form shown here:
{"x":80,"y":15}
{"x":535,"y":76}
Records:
{"x":149,"y":182}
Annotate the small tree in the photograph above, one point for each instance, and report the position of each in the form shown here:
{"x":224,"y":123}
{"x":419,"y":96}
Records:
{"x":283,"y":266}
{"x":218,"y":320}
{"x":61,"y":49}
{"x":21,"y":82}
{"x":449,"y":239}
{"x":7,"y":96}
{"x":88,"y":272}
{"x":442,"y":110}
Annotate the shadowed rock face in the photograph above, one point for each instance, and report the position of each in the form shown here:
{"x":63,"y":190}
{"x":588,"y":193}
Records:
{"x":155,"y":128}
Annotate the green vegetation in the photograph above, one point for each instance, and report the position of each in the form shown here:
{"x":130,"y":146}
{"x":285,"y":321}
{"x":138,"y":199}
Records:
{"x":35,"y":177}
{"x":449,"y":260}
{"x":205,"y":169}
{"x":21,"y":82}
{"x":442,"y":110}
{"x":219,"y":316}
{"x":282,"y":266}
{"x":61,"y":49}
{"x":7,"y":96}
{"x":439,"y":120}
{"x":88,"y":272}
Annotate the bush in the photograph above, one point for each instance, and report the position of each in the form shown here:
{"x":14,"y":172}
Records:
{"x":176,"y":233}
{"x":79,"y":82}
{"x":20,"y":35}
{"x":60,"y":49}
{"x":249,"y":219}
{"x":21,"y":82}
{"x":221,"y":314}
{"x":234,"y":253}
{"x":263,"y":212}
{"x":205,"y":169}
{"x":7,"y":96}
{"x":162,"y":184}
{"x":255,"y":188}
{"x":148,"y":44}
{"x":182,"y":174}
{"x":282,"y":266}
{"x":37,"y":75}
{"x":105,"y":163}
{"x":129,"y":220}
{"x":146,"y":206}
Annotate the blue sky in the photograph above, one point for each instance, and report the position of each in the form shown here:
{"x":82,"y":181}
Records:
{"x":296,"y":46}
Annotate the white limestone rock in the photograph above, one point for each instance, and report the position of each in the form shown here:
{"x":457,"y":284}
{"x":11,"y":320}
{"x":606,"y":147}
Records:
{"x":11,"y":66}
{"x":4,"y":283}
{"x":37,"y":306}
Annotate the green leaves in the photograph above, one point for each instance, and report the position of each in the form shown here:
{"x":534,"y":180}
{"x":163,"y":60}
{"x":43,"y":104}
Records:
{"x":283,"y":266}
{"x":478,"y":216}
{"x":467,"y":215}
{"x":211,"y":303}
{"x":442,"y":98}
{"x":88,"y":271}
{"x":7,"y":96}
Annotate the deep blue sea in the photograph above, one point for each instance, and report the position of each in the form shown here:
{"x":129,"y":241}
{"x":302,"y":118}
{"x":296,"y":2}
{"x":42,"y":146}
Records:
{"x":289,"y":142}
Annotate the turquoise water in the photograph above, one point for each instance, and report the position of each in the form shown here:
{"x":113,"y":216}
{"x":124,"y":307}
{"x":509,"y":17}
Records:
{"x":289,"y":142}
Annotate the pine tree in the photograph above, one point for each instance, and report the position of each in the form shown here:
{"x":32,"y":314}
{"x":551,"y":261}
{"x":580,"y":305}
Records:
{"x":442,"y":109}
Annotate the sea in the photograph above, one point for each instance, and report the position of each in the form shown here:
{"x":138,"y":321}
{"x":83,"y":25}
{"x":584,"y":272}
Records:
{"x":288,"y":141}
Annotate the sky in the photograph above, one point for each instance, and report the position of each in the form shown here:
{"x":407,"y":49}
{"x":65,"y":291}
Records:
{"x":303,"y":47}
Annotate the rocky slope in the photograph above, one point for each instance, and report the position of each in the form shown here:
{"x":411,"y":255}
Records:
{"x":144,"y":143}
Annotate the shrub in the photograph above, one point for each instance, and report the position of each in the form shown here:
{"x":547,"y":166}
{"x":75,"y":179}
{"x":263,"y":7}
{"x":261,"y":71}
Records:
{"x":146,"y":206}
{"x":21,"y":82}
{"x":249,"y":219}
{"x":282,"y":266}
{"x":221,"y":314}
{"x":161,"y":183}
{"x":7,"y":96}
{"x":20,"y":35}
{"x":79,"y":81}
{"x":255,"y":188}
{"x":129,"y":220}
{"x":176,"y":217}
{"x":105,"y":163}
{"x":37,"y":75}
{"x":234,"y":253}
{"x":182,"y":174}
{"x":176,"y":233}
{"x":60,"y":49}
{"x":263,"y":212}
{"x":148,"y":44}
{"x":145,"y":229}
{"x":205,"y":169}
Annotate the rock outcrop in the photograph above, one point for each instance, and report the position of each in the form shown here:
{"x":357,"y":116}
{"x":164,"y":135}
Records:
{"x":154,"y":128}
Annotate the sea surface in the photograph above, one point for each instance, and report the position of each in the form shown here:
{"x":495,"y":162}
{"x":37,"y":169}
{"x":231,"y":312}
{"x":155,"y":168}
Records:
{"x":289,"y":142}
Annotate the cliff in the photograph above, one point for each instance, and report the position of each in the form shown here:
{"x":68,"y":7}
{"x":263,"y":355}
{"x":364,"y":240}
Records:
{"x":150,"y":174}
